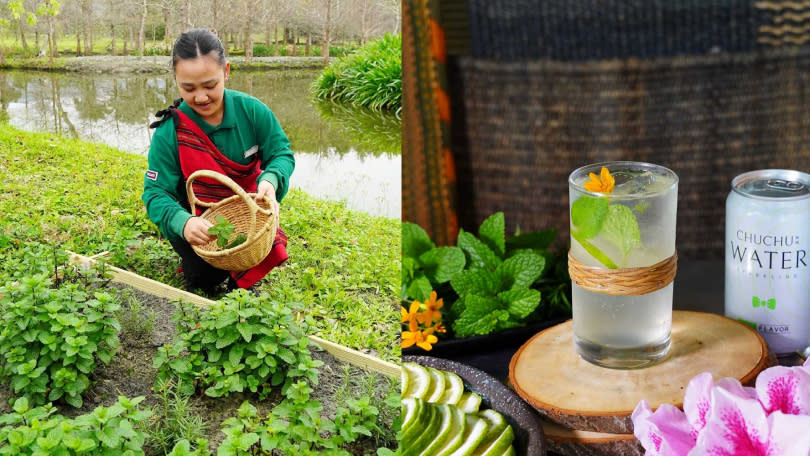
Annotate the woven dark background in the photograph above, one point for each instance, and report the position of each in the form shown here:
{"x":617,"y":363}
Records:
{"x":606,"y":29}
{"x":521,"y":127}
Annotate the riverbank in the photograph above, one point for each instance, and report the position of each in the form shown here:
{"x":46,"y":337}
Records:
{"x":151,"y":64}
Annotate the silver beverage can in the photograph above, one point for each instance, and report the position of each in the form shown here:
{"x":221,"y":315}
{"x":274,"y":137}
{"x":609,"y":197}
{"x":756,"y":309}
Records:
{"x":767,"y":239}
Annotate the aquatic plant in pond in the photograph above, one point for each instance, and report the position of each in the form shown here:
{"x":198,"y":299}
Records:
{"x":371,"y":77}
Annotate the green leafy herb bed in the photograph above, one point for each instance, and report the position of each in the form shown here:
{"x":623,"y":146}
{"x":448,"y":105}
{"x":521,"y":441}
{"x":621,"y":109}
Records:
{"x":82,"y":342}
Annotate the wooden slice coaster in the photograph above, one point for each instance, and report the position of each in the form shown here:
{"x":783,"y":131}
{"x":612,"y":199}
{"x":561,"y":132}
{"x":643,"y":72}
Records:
{"x":571,"y":442}
{"x":547,"y":372}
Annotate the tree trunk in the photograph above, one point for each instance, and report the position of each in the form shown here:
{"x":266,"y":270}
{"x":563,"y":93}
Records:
{"x":295,"y":42}
{"x":214,"y":8}
{"x":36,"y":39}
{"x":125,"y":51}
{"x":141,"y":29}
{"x":326,"y":30}
{"x":309,"y":43}
{"x":51,"y":42}
{"x":112,"y":34}
{"x":22,"y":34}
{"x":249,"y":41}
{"x":187,"y":14}
{"x":168,"y":36}
{"x":86,"y":12}
{"x":276,"y":44}
{"x":78,"y":44}
{"x":267,"y":35}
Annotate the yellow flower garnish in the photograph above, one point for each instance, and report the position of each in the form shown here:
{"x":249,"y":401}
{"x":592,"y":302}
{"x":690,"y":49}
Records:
{"x":431,"y":312}
{"x":439,"y":327}
{"x":603,"y":183}
{"x":411,"y":315}
{"x":422,"y":339}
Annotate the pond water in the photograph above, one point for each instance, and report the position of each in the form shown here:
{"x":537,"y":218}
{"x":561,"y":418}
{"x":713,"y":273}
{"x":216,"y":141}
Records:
{"x":341,"y":153}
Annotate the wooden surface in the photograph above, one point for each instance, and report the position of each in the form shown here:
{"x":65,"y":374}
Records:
{"x":162,"y":290}
{"x":547,"y":372}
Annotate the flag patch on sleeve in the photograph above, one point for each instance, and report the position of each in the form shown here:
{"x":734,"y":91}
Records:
{"x":151,"y":175}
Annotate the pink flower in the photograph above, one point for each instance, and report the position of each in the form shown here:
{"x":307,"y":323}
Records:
{"x":665,"y":432}
{"x":724,"y":418}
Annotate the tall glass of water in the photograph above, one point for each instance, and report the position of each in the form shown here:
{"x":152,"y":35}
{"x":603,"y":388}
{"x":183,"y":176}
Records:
{"x":622,"y":262}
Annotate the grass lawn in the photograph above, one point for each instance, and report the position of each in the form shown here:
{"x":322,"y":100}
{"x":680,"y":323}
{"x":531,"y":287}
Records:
{"x":86,"y":197}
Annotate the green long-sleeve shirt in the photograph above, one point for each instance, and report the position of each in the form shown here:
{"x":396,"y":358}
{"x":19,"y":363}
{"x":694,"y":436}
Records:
{"x":248,"y":127}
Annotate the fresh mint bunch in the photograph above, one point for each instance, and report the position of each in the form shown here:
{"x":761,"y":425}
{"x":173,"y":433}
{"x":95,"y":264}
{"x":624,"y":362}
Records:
{"x":495,"y":288}
{"x":116,"y":429}
{"x":238,"y":344}
{"x":424,"y":266}
{"x":53,"y":337}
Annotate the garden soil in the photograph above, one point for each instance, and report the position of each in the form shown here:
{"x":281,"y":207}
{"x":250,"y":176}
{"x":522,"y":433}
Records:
{"x":131,"y":374}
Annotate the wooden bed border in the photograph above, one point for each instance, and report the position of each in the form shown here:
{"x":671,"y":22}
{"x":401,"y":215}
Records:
{"x":162,"y":290}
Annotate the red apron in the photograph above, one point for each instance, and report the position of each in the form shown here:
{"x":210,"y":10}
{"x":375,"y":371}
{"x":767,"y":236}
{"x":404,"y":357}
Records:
{"x":197,"y":152}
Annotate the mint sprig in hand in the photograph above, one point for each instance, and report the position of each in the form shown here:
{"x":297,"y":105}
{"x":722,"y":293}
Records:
{"x":592,"y":216}
{"x":223,"y":230}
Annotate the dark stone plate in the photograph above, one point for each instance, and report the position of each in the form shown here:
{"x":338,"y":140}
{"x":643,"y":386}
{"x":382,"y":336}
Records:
{"x":490,"y":353}
{"x":529,"y":438}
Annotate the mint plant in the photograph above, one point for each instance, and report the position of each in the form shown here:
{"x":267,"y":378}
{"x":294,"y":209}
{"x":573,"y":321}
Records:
{"x":54,"y":336}
{"x":238,"y":344}
{"x":40,"y":431}
{"x":424,"y":266}
{"x":296,"y":426}
{"x":494,"y":290}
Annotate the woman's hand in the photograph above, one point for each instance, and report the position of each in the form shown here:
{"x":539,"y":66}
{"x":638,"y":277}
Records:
{"x":267,"y":191}
{"x":196,"y":231}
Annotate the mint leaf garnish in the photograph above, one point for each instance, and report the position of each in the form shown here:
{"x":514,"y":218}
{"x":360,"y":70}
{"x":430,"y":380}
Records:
{"x":588,"y":214}
{"x":620,"y":227}
{"x":594,"y":251}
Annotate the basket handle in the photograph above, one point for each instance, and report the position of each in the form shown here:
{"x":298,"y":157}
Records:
{"x":234,"y":187}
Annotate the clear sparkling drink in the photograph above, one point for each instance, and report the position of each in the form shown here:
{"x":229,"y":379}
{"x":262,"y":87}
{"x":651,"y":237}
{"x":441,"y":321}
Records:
{"x":767,"y":274}
{"x":637,"y":231}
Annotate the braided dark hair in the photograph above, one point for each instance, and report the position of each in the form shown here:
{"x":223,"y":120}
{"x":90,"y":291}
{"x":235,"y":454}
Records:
{"x":195,"y":43}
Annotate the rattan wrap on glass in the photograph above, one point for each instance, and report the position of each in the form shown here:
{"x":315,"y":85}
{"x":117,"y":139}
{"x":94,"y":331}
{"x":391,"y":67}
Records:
{"x":258,"y":221}
{"x":623,"y":281}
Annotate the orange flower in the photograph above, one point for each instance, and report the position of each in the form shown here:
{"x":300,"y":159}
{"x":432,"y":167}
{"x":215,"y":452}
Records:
{"x":412,"y":314}
{"x":602,"y":184}
{"x":422,"y":339}
{"x":431,"y":312}
{"x":439,"y":328}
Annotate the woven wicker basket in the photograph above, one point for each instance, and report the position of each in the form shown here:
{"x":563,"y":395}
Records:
{"x":257,"y":220}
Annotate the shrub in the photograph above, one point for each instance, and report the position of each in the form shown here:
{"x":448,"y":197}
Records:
{"x":55,"y":332}
{"x":107,"y":430}
{"x":370,"y":77}
{"x":238,"y":344}
{"x":262,"y":51}
{"x":157,"y":49}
